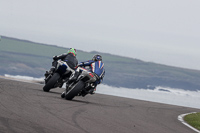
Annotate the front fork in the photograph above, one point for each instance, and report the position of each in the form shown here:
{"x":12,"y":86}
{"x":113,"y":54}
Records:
{"x":47,"y":77}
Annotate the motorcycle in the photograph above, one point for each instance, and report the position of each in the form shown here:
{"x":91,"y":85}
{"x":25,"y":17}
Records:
{"x":82,"y":85}
{"x":59,"y":76}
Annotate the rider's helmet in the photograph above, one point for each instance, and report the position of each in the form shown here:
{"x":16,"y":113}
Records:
{"x":73,"y":51}
{"x":97,"y":57}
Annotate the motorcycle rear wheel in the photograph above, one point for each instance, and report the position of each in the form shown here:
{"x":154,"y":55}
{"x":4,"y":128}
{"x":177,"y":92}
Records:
{"x":74,"y":90}
{"x":52,"y":81}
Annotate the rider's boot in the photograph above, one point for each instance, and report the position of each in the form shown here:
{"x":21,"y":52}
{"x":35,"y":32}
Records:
{"x":92,"y":91}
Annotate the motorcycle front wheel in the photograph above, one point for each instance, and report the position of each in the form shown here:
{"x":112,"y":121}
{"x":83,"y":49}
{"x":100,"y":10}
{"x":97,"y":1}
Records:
{"x":74,"y":90}
{"x":52,"y":81}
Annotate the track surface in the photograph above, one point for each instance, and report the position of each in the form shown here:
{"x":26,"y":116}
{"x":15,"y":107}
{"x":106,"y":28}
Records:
{"x":24,"y":108}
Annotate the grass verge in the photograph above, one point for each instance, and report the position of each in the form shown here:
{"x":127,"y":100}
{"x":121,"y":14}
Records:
{"x":193,"y":120}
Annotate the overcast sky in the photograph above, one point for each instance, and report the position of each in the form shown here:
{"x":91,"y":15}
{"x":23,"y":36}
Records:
{"x":160,"y":31}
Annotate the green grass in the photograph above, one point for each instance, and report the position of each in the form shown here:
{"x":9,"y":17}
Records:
{"x":193,"y":120}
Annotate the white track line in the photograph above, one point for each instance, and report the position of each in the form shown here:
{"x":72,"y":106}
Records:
{"x":180,"y":118}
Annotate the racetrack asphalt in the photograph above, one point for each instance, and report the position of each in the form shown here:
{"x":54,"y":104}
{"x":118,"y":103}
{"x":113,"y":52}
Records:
{"x":25,"y":108}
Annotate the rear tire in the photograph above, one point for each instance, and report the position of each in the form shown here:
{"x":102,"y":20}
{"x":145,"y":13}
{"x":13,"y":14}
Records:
{"x":50,"y":84}
{"x":74,"y":90}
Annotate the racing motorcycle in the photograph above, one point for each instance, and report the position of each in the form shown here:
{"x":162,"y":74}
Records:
{"x":56,"y":79}
{"x":82,"y":85}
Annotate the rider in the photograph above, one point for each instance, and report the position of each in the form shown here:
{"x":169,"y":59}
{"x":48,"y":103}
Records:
{"x":96,"y":66}
{"x":69,"y":58}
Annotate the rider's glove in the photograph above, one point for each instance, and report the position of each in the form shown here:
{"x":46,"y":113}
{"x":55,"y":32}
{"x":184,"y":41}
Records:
{"x":81,"y":64}
{"x":55,"y":58}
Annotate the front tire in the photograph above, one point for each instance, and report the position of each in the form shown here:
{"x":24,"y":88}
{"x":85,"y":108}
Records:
{"x":52,"y":81}
{"x":74,"y":90}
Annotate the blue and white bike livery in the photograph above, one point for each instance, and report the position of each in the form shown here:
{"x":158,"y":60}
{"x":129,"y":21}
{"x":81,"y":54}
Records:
{"x":58,"y":77}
